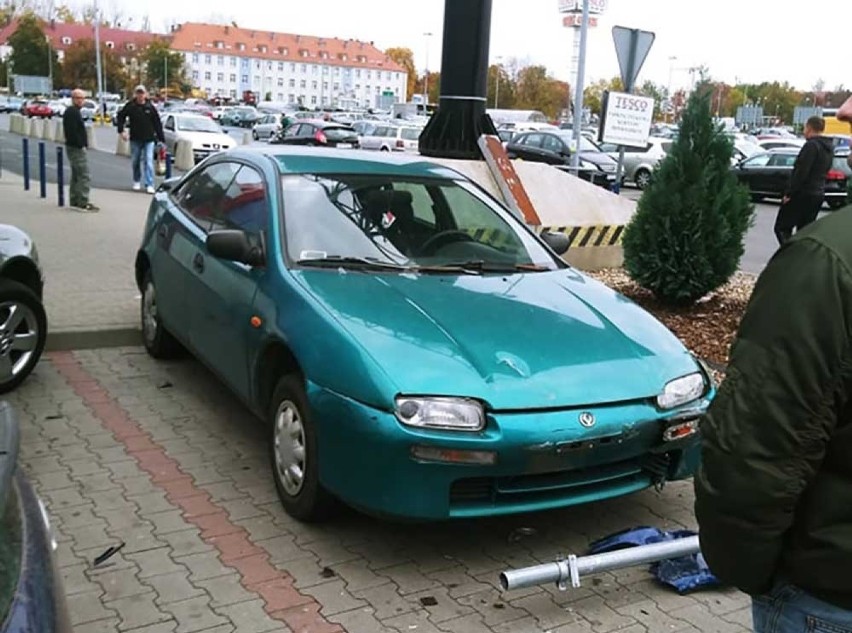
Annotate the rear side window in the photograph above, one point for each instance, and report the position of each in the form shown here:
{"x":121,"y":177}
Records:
{"x":338,"y":133}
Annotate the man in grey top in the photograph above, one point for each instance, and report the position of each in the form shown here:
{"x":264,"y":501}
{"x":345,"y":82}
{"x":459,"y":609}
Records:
{"x":76,"y":144}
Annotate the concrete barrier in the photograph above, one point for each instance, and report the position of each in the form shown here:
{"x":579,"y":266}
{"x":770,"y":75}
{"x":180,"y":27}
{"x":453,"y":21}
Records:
{"x":592,"y":217}
{"x":248,"y":139}
{"x":37,"y":128}
{"x":58,"y":132}
{"x":47,"y":130}
{"x":90,"y":137}
{"x":122,"y":147}
{"x":26,"y":126}
{"x":184,"y":158}
{"x":16,"y":122}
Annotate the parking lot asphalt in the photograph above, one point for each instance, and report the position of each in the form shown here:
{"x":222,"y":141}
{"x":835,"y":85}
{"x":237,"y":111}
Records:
{"x":158,"y":457}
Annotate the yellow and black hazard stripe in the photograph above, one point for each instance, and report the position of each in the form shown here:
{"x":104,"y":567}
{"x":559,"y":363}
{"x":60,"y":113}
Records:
{"x":587,"y":236}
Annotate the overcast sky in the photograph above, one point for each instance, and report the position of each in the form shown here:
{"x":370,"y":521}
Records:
{"x":749,"y":40}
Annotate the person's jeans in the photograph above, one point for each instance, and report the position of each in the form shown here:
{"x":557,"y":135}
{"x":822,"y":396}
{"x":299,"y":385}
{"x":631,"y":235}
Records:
{"x":788,"y":609}
{"x":142,"y":151}
{"x":79,"y":186}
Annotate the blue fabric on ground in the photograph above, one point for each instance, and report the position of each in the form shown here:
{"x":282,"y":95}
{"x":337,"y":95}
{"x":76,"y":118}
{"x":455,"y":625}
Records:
{"x":684,"y":574}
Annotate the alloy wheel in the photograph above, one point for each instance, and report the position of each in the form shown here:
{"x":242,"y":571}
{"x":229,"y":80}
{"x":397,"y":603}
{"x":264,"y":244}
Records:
{"x":19,"y":336}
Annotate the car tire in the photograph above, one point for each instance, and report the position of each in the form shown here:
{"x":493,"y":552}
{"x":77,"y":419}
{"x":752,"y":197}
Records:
{"x":384,"y":149}
{"x":293,"y":453}
{"x":836,"y":203}
{"x":34,"y":320}
{"x":254,"y":135}
{"x":158,"y":341}
{"x":642,"y":178}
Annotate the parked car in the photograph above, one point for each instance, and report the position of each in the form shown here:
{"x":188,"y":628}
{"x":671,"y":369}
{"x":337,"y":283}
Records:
{"x":393,"y":138}
{"x":781,"y":143}
{"x":32,"y":597}
{"x":23,"y":322}
{"x":88,"y":110}
{"x":38,"y":108}
{"x":640,"y":162}
{"x":768,"y":175}
{"x":206,"y":136}
{"x":268,"y":126}
{"x":57,"y":107}
{"x":378,"y":311}
{"x":554,"y":147}
{"x":240,"y":116}
{"x":318,"y":133}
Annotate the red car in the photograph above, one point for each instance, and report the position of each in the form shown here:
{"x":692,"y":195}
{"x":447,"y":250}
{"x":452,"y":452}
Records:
{"x":37,"y":108}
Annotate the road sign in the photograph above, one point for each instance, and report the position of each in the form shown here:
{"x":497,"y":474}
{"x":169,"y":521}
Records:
{"x":631,"y":47}
{"x":31,"y":84}
{"x":575,"y":20}
{"x":576,"y":6}
{"x":627,"y":119}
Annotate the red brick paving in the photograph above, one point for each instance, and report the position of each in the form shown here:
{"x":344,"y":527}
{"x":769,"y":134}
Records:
{"x":282,"y":601}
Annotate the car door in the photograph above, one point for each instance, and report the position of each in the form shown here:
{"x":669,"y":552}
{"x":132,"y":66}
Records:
{"x":754,"y":172}
{"x":527,"y":146}
{"x":197,"y":203}
{"x":779,"y":170}
{"x":554,"y":151}
{"x":226,"y":289}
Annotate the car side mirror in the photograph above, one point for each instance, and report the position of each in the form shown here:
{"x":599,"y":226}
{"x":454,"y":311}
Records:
{"x":169,"y":183}
{"x":235,"y":246}
{"x":558,"y":242}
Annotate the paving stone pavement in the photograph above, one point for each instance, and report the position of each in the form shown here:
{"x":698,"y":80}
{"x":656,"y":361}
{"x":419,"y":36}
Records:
{"x":159,"y":456}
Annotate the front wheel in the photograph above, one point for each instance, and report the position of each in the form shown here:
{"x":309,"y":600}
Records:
{"x":642,"y":178}
{"x":836,"y":203}
{"x":23,"y":332}
{"x":254,"y":135}
{"x":294,"y":454}
{"x":158,"y":341}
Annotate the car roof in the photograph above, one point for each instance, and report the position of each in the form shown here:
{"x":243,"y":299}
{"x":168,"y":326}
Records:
{"x":321,"y":160}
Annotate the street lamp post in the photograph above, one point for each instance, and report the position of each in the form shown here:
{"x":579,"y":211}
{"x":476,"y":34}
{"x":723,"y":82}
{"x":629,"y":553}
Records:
{"x":426,"y":75}
{"x":49,"y":63}
{"x":99,"y":67}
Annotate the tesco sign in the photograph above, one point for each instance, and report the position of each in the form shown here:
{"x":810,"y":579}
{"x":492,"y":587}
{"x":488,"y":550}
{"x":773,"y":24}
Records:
{"x":627,"y":119}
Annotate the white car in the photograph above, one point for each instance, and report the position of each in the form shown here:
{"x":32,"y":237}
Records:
{"x":640,"y":162}
{"x":206,"y":136}
{"x":392,"y":138}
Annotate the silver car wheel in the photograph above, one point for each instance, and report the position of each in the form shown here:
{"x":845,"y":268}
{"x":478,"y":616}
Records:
{"x":150,"y":323}
{"x":290,"y":451}
{"x":19,"y":336}
{"x":643,"y":179}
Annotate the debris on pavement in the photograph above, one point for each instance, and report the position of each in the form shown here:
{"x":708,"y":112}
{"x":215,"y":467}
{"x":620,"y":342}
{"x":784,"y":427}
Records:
{"x":107,"y":554}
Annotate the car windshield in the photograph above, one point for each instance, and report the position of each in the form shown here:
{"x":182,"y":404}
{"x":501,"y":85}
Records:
{"x":198,"y":124}
{"x":404,"y":222}
{"x":585,"y":144}
{"x":338,"y":133}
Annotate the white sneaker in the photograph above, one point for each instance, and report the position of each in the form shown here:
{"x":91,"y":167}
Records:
{"x":137,"y":186}
{"x":149,"y":189}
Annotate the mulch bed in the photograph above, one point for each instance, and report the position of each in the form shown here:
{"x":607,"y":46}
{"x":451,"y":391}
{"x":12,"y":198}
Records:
{"x":706,"y":328}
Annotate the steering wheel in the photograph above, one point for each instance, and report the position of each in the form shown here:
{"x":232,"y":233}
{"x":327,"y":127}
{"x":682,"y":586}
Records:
{"x":442,"y":239}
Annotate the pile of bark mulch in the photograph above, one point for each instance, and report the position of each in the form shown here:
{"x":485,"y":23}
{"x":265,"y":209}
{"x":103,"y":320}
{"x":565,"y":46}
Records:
{"x":706,"y":328}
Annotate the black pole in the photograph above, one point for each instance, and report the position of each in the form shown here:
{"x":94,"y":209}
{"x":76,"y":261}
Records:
{"x":42,"y":171}
{"x":60,"y":176}
{"x":455,"y":128}
{"x":25,"y":142}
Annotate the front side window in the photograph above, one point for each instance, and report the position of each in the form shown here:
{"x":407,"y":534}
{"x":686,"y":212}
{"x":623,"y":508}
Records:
{"x":761,"y":160}
{"x":405,"y":222}
{"x":244,"y":205}
{"x":201,"y":196}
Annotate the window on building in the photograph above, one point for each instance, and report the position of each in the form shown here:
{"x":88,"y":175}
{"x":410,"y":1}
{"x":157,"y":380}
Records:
{"x":257,"y":64}
{"x":256,"y":79}
{"x":337,"y":70}
{"x":292,"y":68}
{"x":110,"y":44}
{"x":314,"y":85}
{"x":245,"y":79}
{"x":281,"y":81}
{"x":357,"y":72}
{"x":220,"y":60}
{"x":66,"y":40}
{"x":292,"y":83}
{"x":315,"y":70}
{"x":387,"y":75}
{"x":357,"y":86}
{"x":325,"y":85}
{"x":233,"y":61}
{"x":336,"y":86}
{"x":241,"y":46}
{"x":233,"y":78}
{"x":131,"y":46}
{"x":268,"y":65}
{"x":280,"y":66}
{"x":208,"y":59}
{"x":220,"y":44}
{"x":220,"y":77}
{"x":304,"y":68}
{"x":233,"y":93}
{"x":195,"y":58}
{"x":291,"y":98}
{"x":207,"y":75}
{"x":369,"y":74}
{"x":303,"y":84}
{"x":313,"y":100}
{"x":195,"y":75}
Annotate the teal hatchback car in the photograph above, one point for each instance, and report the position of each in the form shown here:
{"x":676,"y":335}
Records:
{"x":416,"y":350}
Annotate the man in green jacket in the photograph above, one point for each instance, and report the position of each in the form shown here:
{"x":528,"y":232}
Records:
{"x":774,"y":490}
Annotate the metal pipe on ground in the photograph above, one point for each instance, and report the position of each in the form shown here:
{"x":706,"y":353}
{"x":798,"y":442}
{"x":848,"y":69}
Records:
{"x":574,"y":567}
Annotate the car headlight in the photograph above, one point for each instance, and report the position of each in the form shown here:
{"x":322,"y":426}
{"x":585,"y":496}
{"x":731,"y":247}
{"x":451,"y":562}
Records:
{"x":682,"y":390}
{"x":456,"y":414}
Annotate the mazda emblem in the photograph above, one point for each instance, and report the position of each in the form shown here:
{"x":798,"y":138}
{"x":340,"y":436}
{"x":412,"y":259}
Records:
{"x":587,"y":419}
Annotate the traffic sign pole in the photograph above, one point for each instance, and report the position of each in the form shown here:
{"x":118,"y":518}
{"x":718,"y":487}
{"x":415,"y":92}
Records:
{"x":578,"y":89}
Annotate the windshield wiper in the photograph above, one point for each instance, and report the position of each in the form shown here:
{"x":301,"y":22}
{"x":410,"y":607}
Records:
{"x":482,"y":266}
{"x":355,"y":263}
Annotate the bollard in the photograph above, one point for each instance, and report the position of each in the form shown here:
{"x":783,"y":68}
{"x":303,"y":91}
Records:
{"x":168,"y":165}
{"x":26,"y":150}
{"x":60,"y":177}
{"x":42,"y":171}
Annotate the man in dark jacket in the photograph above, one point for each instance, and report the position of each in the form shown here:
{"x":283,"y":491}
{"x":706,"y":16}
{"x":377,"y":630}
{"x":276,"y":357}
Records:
{"x":76,"y":143}
{"x":774,"y":489}
{"x":806,"y":191}
{"x":145,"y":129}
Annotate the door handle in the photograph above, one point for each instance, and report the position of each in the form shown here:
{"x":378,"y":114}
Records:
{"x":198,"y":263}
{"x":163,"y":232}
